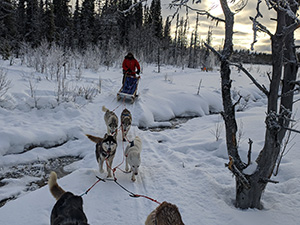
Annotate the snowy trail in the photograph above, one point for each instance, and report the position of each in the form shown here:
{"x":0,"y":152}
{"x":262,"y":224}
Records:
{"x":184,"y":166}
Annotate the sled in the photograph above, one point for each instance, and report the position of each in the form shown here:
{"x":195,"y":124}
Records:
{"x":129,"y":89}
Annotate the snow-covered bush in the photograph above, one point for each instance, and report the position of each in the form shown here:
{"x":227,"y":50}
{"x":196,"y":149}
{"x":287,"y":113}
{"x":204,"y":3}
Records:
{"x":5,"y":84}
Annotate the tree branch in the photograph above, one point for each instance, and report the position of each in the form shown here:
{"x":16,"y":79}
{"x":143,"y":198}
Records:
{"x":291,"y":129}
{"x":260,"y":87}
{"x":237,"y":173}
{"x":250,"y":142}
{"x":266,"y":180}
{"x":260,"y":27}
{"x":131,"y":7}
{"x":214,"y":51}
{"x":198,"y":11}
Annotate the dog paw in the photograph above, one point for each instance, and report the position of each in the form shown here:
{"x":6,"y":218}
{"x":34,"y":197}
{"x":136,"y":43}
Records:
{"x":133,"y":179}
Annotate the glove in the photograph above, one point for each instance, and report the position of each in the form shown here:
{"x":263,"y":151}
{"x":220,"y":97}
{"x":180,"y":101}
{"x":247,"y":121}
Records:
{"x":138,"y":72}
{"x":129,"y":71}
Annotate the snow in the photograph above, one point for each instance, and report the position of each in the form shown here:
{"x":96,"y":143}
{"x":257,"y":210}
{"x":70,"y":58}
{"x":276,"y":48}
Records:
{"x":182,"y":165}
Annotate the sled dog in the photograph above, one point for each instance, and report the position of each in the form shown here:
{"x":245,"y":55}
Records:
{"x":105,"y":150}
{"x":165,"y":214}
{"x":126,"y":120}
{"x":68,"y":208}
{"x":111,"y":121}
{"x":133,"y":156}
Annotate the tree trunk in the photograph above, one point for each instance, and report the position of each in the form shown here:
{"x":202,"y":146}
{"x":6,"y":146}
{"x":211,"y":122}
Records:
{"x":290,"y":75}
{"x":250,"y":197}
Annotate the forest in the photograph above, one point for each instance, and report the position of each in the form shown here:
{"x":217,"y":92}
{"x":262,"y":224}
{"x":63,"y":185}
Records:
{"x":108,"y":28}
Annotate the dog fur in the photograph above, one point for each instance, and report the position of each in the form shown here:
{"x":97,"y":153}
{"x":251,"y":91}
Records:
{"x":68,"y":209}
{"x":111,"y":121}
{"x":133,"y":156}
{"x":165,"y":214}
{"x":105,"y":150}
{"x":126,"y":120}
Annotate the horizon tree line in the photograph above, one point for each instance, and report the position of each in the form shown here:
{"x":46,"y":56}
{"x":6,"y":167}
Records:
{"x":109,"y":25}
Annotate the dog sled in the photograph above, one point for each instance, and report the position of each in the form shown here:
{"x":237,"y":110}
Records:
{"x":128,"y":91}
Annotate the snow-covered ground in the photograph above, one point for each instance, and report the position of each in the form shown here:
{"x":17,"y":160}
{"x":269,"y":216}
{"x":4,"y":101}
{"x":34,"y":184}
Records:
{"x":184,"y":166}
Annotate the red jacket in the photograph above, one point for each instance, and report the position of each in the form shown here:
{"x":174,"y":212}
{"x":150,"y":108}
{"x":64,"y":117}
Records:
{"x":130,"y":64}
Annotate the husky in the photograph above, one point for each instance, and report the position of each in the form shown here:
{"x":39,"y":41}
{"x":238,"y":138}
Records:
{"x":111,"y":121}
{"x":133,"y":156}
{"x":68,"y":209}
{"x":105,"y":150}
{"x":126,"y":120}
{"x":165,"y":214}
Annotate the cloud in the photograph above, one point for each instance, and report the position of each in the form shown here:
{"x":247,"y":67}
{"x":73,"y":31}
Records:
{"x":243,"y":36}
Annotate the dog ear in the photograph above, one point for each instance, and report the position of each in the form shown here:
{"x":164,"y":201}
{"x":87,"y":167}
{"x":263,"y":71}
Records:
{"x":94,"y":138}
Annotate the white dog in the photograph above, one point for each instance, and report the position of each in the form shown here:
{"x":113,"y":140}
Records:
{"x":133,"y":156}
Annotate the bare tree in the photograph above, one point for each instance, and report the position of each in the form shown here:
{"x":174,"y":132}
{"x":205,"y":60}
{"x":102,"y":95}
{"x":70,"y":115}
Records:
{"x":249,"y":187}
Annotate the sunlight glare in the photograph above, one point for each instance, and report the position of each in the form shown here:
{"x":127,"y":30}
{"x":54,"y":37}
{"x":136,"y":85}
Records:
{"x":215,"y":7}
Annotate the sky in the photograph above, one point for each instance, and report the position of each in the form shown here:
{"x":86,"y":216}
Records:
{"x":182,"y":164}
{"x":243,"y":36}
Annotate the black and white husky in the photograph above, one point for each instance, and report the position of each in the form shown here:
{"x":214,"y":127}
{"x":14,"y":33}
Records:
{"x":133,"y":156}
{"x":105,"y":150}
{"x":111,"y":121}
{"x":68,"y":209}
{"x":126,"y":120}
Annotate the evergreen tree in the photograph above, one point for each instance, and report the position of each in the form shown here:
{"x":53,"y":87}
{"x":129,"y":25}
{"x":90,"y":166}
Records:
{"x":48,"y":21}
{"x":21,"y":20}
{"x":87,"y":22}
{"x":167,"y":40}
{"x":156,"y":19}
{"x":76,"y":26}
{"x":8,"y":29}
{"x":33,"y":24}
{"x":125,"y":22}
{"x":62,"y":20}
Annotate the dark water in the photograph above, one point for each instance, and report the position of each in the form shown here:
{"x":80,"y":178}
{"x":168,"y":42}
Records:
{"x":39,"y":172}
{"x":175,"y":123}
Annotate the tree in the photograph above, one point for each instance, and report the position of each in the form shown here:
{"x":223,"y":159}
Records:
{"x":249,"y":187}
{"x":48,"y":29}
{"x":87,"y":22}
{"x":8,"y":29}
{"x":76,"y":26}
{"x":62,"y":19}
{"x":155,"y":19}
{"x":33,"y":23}
{"x":278,"y":116}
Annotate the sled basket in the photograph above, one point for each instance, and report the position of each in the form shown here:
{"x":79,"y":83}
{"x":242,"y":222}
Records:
{"x":129,"y":88}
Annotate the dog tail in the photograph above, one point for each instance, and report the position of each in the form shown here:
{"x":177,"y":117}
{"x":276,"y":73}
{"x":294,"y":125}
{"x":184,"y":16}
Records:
{"x":94,"y":138}
{"x":55,"y":189}
{"x":104,"y":109}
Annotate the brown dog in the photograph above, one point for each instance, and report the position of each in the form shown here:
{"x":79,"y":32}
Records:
{"x":165,"y":214}
{"x":68,"y":208}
